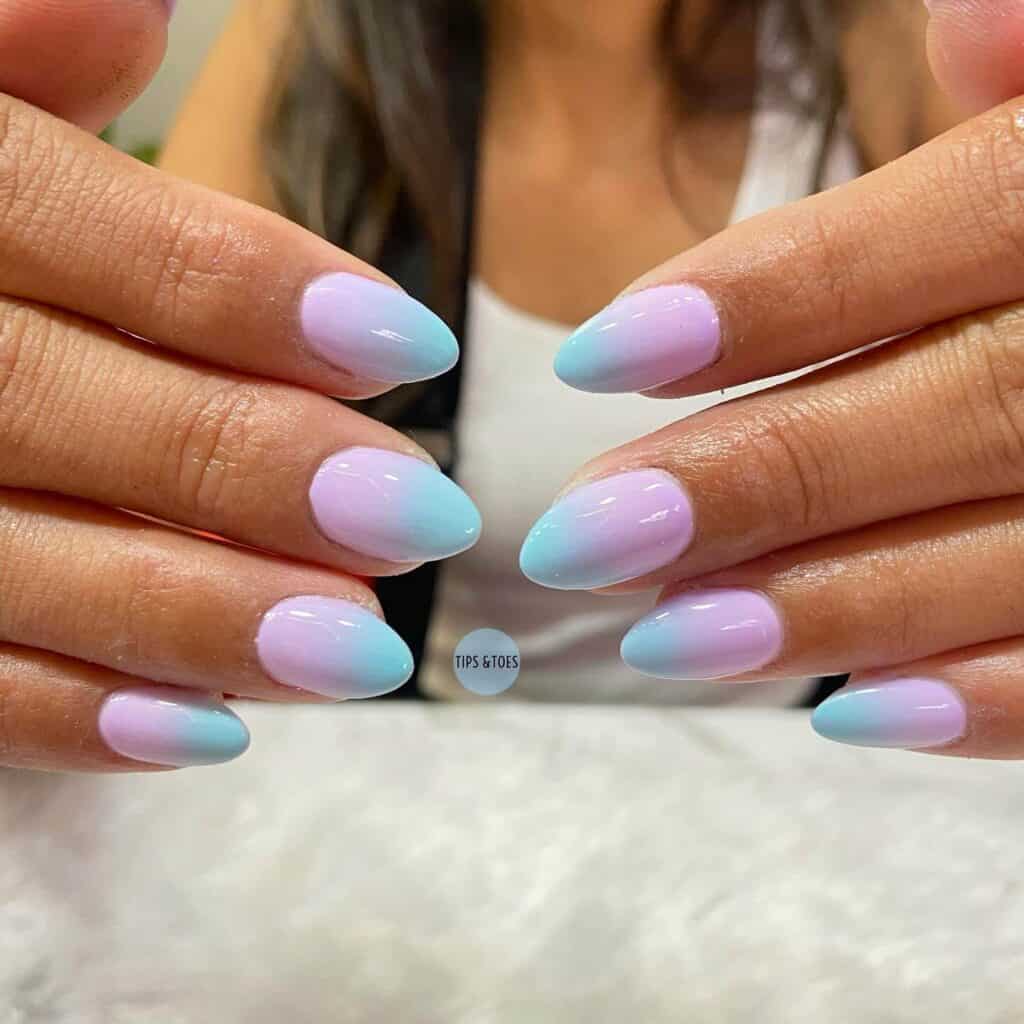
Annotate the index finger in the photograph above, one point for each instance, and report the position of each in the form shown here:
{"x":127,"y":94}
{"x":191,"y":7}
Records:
{"x":92,"y":231}
{"x":931,"y":236}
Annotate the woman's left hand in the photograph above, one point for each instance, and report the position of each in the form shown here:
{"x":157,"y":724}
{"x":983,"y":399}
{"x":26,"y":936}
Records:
{"x":867,"y":516}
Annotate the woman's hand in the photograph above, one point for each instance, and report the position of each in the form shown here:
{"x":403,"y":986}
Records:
{"x":868,"y":516}
{"x":117,"y":632}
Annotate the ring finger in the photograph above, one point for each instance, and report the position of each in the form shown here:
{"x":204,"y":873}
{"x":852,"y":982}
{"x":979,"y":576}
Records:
{"x":864,"y":600}
{"x":118,"y":591}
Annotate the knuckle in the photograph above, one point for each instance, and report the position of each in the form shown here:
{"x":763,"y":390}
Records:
{"x":188,"y":249}
{"x":30,"y":162}
{"x":986,"y":180}
{"x":781,"y":450}
{"x":24,"y":336}
{"x":215,"y":438}
{"x":976,"y":373}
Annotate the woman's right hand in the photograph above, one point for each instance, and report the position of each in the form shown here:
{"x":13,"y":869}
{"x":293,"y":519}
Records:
{"x":118,"y":633}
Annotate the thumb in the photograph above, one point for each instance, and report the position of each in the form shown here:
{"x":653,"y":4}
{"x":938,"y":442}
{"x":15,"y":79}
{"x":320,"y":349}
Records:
{"x":83,"y":60}
{"x":976,"y":50}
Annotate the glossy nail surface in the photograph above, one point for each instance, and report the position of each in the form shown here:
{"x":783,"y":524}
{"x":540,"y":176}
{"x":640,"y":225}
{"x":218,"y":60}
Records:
{"x":376,"y":331}
{"x":392,"y":506}
{"x":167,"y":725}
{"x":642,"y":341}
{"x":912,"y":713}
{"x":333,"y":648}
{"x":609,"y":531}
{"x":705,"y":634}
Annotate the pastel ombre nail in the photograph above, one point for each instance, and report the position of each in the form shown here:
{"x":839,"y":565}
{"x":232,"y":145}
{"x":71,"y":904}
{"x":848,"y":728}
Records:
{"x":610,"y":531}
{"x":167,"y":725}
{"x":642,"y":341}
{"x":705,"y":634}
{"x":375,"y":330}
{"x":912,"y":714}
{"x":392,"y":506}
{"x":333,"y":648}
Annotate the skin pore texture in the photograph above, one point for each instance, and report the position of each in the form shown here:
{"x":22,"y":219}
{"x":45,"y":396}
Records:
{"x":789,"y":533}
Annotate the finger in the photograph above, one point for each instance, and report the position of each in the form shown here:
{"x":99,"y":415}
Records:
{"x":82,"y":60}
{"x":927,"y":421}
{"x":966,"y":703}
{"x":92,"y":231}
{"x":974,"y":47}
{"x":90,"y":413}
{"x":166,"y":606}
{"x":868,"y":599}
{"x":57,"y":714}
{"x":923,"y":239}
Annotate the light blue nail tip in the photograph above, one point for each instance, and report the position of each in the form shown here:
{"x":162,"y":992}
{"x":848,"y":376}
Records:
{"x":444,"y":520}
{"x":215,"y":736}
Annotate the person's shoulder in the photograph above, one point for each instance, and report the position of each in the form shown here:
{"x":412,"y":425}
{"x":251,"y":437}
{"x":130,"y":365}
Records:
{"x":217,"y":139}
{"x":893,"y":101}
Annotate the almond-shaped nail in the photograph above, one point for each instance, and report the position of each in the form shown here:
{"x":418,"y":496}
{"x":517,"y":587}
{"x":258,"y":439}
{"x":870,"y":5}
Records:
{"x":392,"y":506}
{"x":609,"y":531}
{"x":913,"y":713}
{"x":168,"y":725}
{"x":705,"y":634}
{"x":642,"y":341}
{"x":374,"y":330}
{"x":333,"y":648}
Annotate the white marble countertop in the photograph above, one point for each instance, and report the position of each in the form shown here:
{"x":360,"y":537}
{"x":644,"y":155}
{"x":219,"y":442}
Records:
{"x":413,"y":864}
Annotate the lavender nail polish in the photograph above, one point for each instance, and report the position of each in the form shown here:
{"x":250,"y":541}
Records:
{"x":375,"y":331}
{"x":392,"y":506}
{"x":610,"y":531}
{"x":912,"y":713}
{"x":333,"y":648}
{"x":705,"y":634}
{"x":168,"y":725}
{"x":642,"y":341}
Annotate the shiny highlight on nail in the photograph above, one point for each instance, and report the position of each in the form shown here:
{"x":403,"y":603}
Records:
{"x":333,"y":648}
{"x":392,"y":506}
{"x":913,"y":713}
{"x":642,"y":341}
{"x":172,"y":726}
{"x":375,"y":330}
{"x":609,"y":531}
{"x":705,"y":634}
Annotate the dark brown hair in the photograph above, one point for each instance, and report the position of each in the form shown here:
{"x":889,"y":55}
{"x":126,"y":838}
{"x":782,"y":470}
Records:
{"x":362,"y":120}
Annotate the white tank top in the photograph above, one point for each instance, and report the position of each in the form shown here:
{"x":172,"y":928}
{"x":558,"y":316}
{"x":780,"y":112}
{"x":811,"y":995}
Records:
{"x":521,"y":433}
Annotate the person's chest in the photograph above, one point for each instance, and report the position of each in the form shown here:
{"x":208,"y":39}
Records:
{"x":560,"y":239}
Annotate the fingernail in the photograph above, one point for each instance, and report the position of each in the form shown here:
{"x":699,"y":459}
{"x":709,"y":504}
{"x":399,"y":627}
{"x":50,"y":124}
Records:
{"x":705,"y":634}
{"x":911,"y":714}
{"x":392,"y":506}
{"x":170,"y":726}
{"x":642,"y":341}
{"x":332,"y":648}
{"x":376,"y":331}
{"x":610,"y":531}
